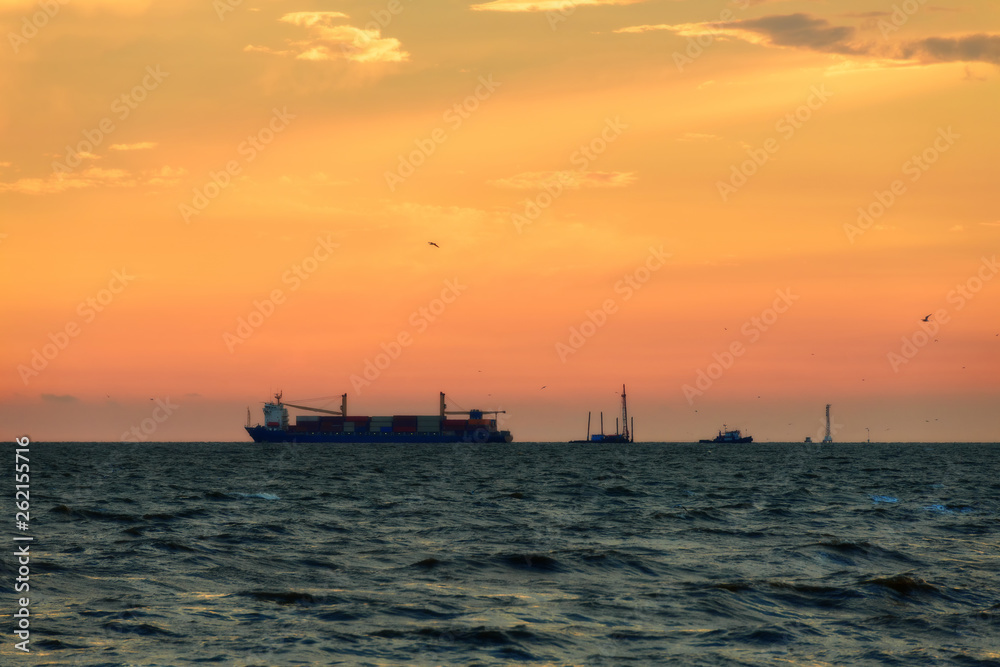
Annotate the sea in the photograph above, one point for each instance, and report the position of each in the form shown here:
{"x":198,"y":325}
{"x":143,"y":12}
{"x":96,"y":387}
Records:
{"x":508,"y":554}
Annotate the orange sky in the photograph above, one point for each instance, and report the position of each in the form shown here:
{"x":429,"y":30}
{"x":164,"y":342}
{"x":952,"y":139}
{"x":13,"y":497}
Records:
{"x":669,"y":167}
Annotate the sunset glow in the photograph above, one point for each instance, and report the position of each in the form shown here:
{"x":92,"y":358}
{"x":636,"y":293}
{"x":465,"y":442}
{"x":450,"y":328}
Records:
{"x":744,"y":211}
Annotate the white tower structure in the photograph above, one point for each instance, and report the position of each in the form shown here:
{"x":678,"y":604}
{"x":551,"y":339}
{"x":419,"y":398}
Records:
{"x":828,"y":437}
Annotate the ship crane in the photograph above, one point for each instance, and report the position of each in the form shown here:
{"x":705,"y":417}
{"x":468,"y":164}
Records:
{"x":342,"y":412}
{"x":446,"y":411}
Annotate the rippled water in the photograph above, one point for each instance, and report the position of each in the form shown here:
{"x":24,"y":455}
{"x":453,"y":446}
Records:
{"x":763,"y":554}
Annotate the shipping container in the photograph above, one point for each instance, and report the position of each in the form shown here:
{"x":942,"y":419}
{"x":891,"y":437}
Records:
{"x":404,"y":429}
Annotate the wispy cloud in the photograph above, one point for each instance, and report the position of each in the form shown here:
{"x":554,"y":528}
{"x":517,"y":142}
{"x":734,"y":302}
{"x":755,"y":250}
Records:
{"x":139,"y":146}
{"x":805,"y":31}
{"x":165,"y":176}
{"x":93,"y":177}
{"x":572,"y":180}
{"x":544,"y":5}
{"x":332,"y":40}
{"x":968,"y":48}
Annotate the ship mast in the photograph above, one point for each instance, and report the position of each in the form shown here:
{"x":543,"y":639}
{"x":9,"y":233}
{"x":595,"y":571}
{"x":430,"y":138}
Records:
{"x":625,"y":416}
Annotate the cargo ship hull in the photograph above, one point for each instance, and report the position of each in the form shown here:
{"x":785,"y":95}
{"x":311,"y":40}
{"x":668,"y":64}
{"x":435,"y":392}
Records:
{"x":264,"y":434}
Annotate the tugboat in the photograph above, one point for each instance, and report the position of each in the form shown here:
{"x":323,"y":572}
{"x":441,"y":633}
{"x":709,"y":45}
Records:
{"x":733,"y":436}
{"x":624,"y":436}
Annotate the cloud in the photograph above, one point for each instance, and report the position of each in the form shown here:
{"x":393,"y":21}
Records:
{"x":794,"y":30}
{"x":990,"y":224}
{"x":804,"y":31}
{"x":330,"y":40}
{"x":571,"y":180}
{"x":679,"y":28}
{"x":59,"y":398}
{"x":310,"y":19}
{"x":543,"y":5}
{"x":968,"y":48}
{"x":165,"y":175}
{"x":59,"y":182}
{"x":140,"y":146}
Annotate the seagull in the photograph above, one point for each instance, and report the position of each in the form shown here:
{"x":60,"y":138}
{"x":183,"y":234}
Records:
{"x":545,"y":385}
{"x":433,"y":244}
{"x":926,"y":319}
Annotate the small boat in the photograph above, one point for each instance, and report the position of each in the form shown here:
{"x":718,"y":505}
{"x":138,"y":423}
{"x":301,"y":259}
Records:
{"x":729,"y":436}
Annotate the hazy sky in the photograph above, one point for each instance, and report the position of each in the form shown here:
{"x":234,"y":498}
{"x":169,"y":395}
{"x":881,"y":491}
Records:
{"x":742,"y":210}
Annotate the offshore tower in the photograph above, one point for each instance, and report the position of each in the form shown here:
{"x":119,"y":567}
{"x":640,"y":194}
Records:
{"x":828,"y":437}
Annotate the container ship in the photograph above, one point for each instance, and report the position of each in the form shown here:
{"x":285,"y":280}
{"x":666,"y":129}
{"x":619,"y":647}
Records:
{"x":338,"y":426}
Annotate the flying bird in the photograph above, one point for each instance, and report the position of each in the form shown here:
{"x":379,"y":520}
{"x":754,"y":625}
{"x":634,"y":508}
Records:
{"x":926,"y":319}
{"x":433,"y":244}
